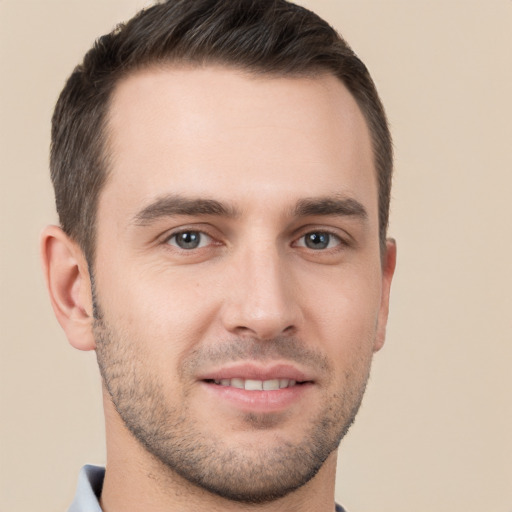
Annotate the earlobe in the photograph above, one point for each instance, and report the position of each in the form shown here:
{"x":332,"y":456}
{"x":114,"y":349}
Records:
{"x":67,"y":278}
{"x":388,"y":270}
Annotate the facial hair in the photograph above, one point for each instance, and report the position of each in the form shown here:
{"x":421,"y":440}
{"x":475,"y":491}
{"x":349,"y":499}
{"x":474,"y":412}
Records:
{"x":168,"y":430}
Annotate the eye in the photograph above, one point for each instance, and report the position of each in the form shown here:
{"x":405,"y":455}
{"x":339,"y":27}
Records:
{"x":319,"y":240}
{"x":188,"y":240}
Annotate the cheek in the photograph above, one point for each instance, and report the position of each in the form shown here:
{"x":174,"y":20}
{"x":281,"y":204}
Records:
{"x":156,"y":309}
{"x":346,"y":312}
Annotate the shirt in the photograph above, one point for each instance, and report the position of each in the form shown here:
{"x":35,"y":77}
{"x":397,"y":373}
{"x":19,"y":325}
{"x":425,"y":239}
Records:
{"x":90,"y":483}
{"x":88,"y":490}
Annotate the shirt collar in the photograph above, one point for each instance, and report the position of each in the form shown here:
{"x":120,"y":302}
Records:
{"x":90,"y":482}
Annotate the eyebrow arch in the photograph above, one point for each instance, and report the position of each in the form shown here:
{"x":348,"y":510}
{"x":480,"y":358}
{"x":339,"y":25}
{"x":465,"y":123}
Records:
{"x":330,"y":205}
{"x":171,"y":205}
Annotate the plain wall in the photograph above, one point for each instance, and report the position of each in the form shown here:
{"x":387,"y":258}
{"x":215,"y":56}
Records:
{"x":435,"y":429}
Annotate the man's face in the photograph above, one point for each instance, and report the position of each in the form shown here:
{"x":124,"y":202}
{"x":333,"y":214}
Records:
{"x":238,"y":276}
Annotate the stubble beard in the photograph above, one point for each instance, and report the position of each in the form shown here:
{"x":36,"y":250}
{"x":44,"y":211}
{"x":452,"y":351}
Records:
{"x":177,"y":440}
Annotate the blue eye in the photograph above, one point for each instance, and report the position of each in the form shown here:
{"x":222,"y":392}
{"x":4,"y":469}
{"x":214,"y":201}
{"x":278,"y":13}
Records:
{"x":318,"y":240}
{"x":188,"y":240}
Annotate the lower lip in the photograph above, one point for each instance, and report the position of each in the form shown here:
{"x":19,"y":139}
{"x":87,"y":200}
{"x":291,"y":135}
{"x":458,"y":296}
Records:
{"x":259,"y":401}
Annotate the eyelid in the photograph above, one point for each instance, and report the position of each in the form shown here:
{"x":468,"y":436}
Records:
{"x":202,"y":243}
{"x":344,"y":238}
{"x":337,"y":238}
{"x":201,"y":229}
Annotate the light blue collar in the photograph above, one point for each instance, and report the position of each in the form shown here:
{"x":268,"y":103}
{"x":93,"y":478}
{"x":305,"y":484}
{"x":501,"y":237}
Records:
{"x":90,"y":482}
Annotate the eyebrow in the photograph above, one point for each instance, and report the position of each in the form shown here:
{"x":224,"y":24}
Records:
{"x":330,"y":205}
{"x":171,"y":205}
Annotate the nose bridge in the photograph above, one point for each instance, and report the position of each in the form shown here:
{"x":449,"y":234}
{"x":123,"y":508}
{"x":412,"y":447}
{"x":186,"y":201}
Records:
{"x":263,"y":302}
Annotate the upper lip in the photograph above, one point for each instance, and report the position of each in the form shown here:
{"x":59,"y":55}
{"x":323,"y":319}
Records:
{"x":248,"y":370}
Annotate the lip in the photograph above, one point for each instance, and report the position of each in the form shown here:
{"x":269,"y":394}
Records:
{"x":278,"y":400}
{"x":258,"y":401}
{"x":257,"y":372}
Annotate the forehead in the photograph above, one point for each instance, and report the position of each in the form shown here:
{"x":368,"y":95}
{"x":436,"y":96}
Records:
{"x":216,"y":131}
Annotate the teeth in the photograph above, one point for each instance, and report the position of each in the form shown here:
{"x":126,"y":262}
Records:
{"x":257,"y":385}
{"x":237,"y":383}
{"x":271,"y":385}
{"x":253,"y":385}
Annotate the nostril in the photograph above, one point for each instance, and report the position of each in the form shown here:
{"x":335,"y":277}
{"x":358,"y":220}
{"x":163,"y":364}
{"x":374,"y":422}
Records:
{"x":264,"y":332}
{"x":242,"y":329}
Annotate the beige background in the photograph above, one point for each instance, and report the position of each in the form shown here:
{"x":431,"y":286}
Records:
{"x":435,"y":430}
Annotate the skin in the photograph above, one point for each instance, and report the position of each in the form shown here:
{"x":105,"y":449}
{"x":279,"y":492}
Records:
{"x":283,"y":158}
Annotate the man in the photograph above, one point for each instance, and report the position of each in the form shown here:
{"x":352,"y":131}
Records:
{"x":222,"y":173}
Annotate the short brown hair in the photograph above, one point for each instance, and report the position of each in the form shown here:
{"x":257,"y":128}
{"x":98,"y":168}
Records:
{"x":262,"y":36}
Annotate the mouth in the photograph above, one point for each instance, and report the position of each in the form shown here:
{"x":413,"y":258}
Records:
{"x":255,"y":384}
{"x":249,"y":376}
{"x":252,"y":387}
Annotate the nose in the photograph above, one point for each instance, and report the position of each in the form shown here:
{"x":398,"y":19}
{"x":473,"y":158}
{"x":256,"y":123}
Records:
{"x":263,"y":300}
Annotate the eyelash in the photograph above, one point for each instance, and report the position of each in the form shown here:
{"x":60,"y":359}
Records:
{"x":340,"y":242}
{"x":201,"y":234}
{"x":321,"y":233}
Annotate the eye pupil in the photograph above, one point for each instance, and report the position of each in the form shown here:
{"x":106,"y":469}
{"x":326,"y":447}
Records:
{"x":317,"y":240}
{"x":188,"y":239}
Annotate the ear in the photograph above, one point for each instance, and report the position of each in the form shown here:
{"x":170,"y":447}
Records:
{"x":67,"y":278}
{"x":388,"y":269}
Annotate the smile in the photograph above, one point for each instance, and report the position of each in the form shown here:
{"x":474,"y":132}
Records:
{"x":256,"y":385}
{"x":253,"y":388}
